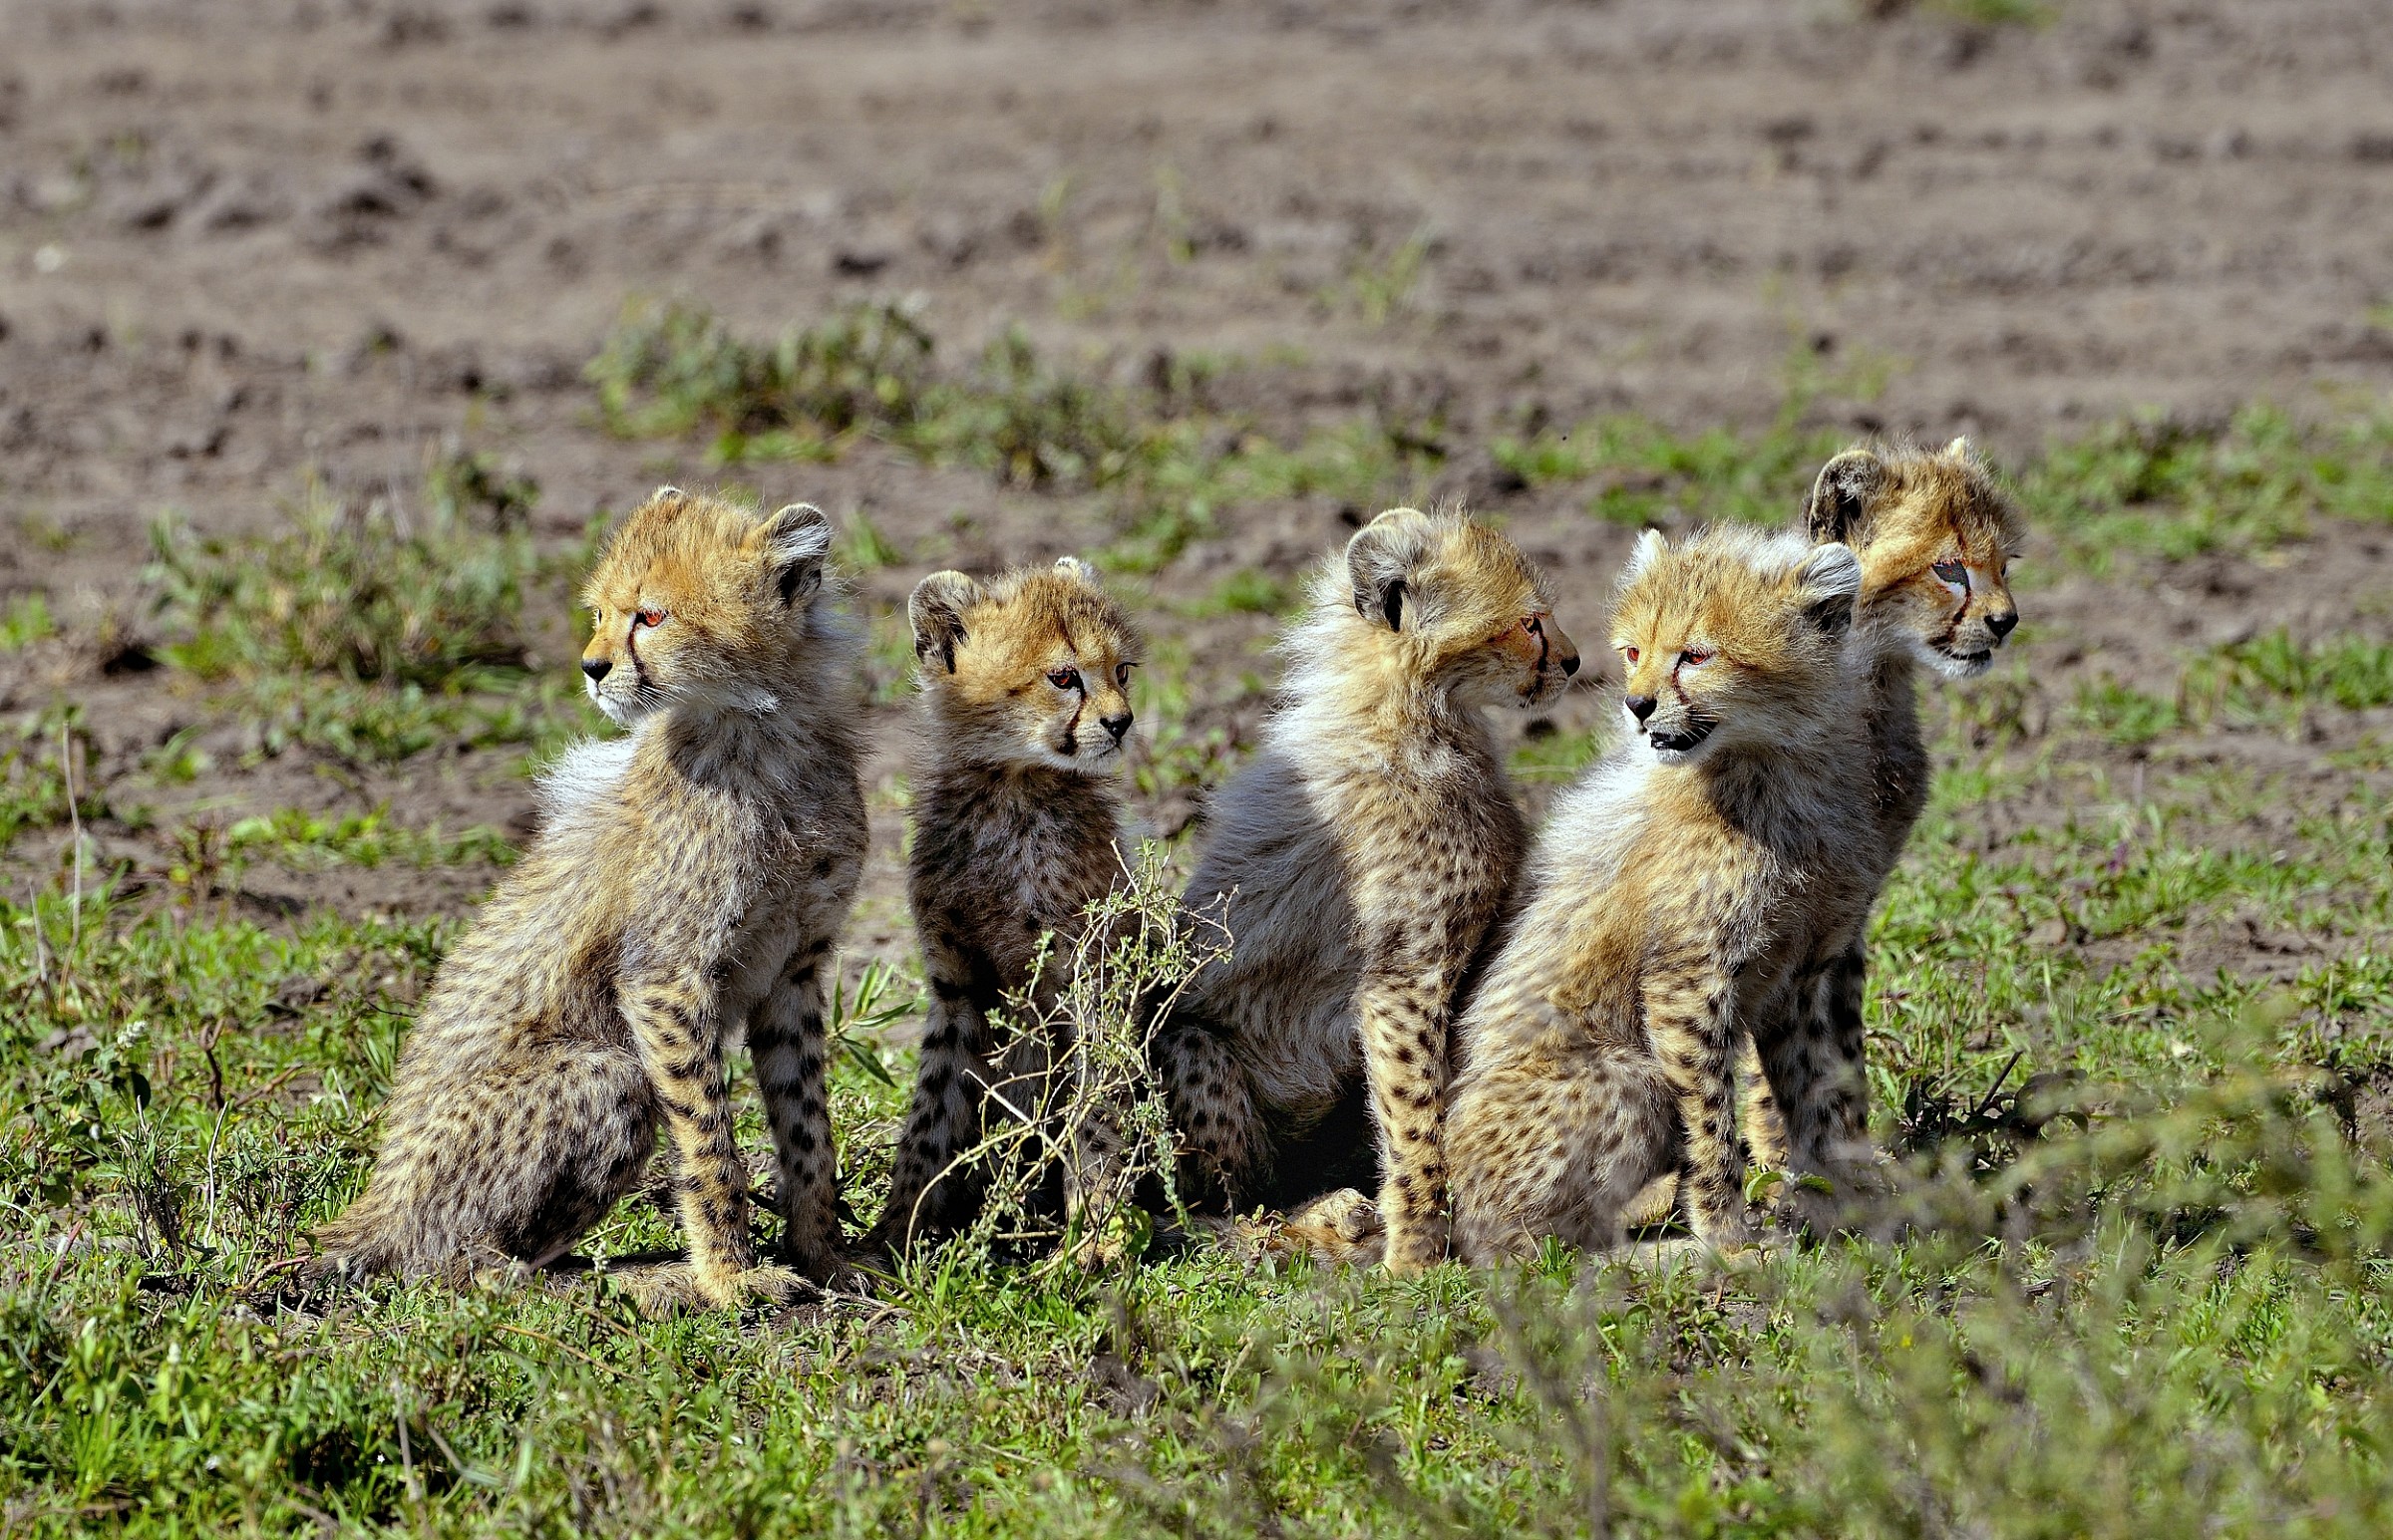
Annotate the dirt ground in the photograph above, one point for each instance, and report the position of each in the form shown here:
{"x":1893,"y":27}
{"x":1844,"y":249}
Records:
{"x":243,"y":241}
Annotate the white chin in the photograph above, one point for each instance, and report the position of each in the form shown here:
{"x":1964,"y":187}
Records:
{"x":1962,"y":668}
{"x":618,"y":710}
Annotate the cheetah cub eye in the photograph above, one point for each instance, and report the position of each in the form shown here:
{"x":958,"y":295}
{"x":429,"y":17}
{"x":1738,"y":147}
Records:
{"x":1063,"y":679}
{"x":1952,"y":573}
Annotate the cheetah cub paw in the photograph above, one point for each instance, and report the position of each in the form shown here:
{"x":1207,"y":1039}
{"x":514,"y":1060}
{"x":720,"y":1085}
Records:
{"x":673,"y":1287}
{"x":1342,"y":1226}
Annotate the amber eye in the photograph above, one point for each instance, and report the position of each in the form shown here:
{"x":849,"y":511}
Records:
{"x":1695,"y":657}
{"x":1063,"y":679}
{"x":1630,"y":653}
{"x":1534,"y":625}
{"x":1952,"y":572}
{"x":650,"y":617}
{"x":1122,"y":675}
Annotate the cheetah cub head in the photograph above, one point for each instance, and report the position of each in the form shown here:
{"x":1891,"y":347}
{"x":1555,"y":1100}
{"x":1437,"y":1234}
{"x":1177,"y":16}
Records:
{"x":1734,"y":640}
{"x":1032,"y":666}
{"x":700,"y":604}
{"x":1937,"y":537}
{"x":1438,"y":599}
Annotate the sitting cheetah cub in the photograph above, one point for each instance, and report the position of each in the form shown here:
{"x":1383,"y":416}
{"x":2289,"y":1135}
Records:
{"x":1676,"y":891}
{"x":1363,"y":857}
{"x":687,"y":884}
{"x":1936,"y":536}
{"x":1017,"y":828}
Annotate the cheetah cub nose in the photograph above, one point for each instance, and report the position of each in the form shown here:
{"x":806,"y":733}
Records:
{"x":597,"y":668}
{"x":1117,"y":726}
{"x":2001,"y":625}
{"x":1640,"y":705}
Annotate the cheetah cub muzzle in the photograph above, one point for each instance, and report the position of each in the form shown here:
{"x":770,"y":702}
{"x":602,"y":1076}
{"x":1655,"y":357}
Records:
{"x":684,"y":887}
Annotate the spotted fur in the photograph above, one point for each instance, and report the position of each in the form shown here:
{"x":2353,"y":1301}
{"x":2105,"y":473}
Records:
{"x":1692,"y":876}
{"x":686,"y":885}
{"x":1363,"y":857}
{"x":1017,"y":829}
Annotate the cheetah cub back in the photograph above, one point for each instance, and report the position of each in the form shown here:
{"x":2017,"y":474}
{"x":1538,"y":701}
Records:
{"x":1363,"y":857}
{"x":1025,"y":713}
{"x":1673,"y":893}
{"x":685,"y":885}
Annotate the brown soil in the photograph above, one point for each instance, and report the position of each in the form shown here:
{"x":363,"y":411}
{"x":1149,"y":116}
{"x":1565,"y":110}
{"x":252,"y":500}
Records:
{"x":245,"y":242}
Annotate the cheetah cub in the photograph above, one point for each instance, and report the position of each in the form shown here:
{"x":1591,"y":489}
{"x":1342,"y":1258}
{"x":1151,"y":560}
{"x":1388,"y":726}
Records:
{"x":1363,"y":857}
{"x":1935,"y":535}
{"x":1017,"y":828}
{"x":686,"y":885}
{"x":1674,"y":893}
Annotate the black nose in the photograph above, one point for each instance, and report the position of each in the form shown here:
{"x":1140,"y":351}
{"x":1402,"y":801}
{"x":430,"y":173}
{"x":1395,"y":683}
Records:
{"x":2001,"y":624}
{"x":1570,"y":666}
{"x":1117,"y":726}
{"x":1640,"y":705}
{"x":597,"y":668}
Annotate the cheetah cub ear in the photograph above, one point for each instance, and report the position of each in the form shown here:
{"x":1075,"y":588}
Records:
{"x":1650,"y":547}
{"x":1073,"y":567}
{"x":1837,"y":508}
{"x":936,"y":612}
{"x":1380,"y":559}
{"x":796,"y":540}
{"x":1827,"y":585}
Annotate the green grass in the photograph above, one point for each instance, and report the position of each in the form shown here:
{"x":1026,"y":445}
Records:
{"x":311,"y":841}
{"x":2154,"y":486}
{"x":1160,"y":460}
{"x":25,"y":620}
{"x":34,"y":750}
{"x":1247,"y":591}
{"x":370,"y":633}
{"x":2182,"y":1315}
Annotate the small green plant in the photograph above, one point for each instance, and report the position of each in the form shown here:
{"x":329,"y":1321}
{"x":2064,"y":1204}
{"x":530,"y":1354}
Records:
{"x":858,"y":1015}
{"x":1998,"y":12}
{"x":1249,"y":591}
{"x":1028,"y":423}
{"x":864,"y":549}
{"x":2350,"y":672}
{"x":2155,"y":487}
{"x":461,"y":486}
{"x":1071,"y":1084}
{"x":35,"y":750}
{"x":675,"y":369}
{"x":25,"y":620}
{"x":1376,"y":289}
{"x":1552,"y":755}
{"x":354,"y":591}
{"x":2124,"y":714}
{"x":310,"y":842}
